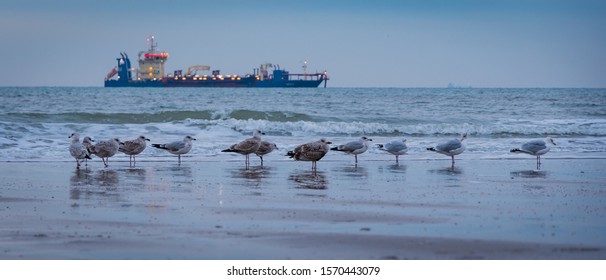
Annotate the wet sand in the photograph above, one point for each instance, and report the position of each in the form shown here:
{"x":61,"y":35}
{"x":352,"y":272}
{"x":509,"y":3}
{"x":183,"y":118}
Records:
{"x":216,"y":209}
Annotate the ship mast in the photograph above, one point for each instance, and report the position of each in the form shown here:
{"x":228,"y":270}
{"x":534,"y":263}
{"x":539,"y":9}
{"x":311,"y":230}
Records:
{"x":150,"y":41}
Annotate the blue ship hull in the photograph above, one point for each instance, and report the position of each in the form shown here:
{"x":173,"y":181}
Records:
{"x":288,"y":83}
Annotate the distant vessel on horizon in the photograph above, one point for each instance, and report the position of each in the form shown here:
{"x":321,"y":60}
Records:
{"x":151,"y":73}
{"x":451,"y":85}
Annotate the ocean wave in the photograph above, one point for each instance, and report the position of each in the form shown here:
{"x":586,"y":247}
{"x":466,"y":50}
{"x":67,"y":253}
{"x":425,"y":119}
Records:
{"x":327,"y":128}
{"x":165,"y":116}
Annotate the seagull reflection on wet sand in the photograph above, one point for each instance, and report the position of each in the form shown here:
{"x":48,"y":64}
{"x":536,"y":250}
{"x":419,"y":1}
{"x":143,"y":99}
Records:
{"x":528,"y":174}
{"x":312,"y":180}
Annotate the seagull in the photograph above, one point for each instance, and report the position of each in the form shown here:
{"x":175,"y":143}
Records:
{"x":177,"y":147}
{"x":105,"y":149}
{"x":395,"y":147}
{"x":247,"y":147}
{"x":354,"y":147}
{"x":77,"y":150}
{"x":451,"y":148}
{"x":265,"y":148}
{"x":313,"y":152}
{"x":536,"y":148}
{"x":133,"y":148}
{"x":88,"y":143}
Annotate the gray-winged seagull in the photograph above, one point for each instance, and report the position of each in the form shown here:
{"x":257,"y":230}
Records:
{"x":177,"y":147}
{"x":354,"y":147}
{"x":395,"y":147}
{"x":536,"y":148}
{"x":451,"y":148}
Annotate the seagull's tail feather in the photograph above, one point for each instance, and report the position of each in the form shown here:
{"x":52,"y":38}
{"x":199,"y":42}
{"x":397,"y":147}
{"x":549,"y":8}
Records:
{"x":516,"y":151}
{"x":159,"y":146}
{"x":380,"y":146}
{"x":432,"y":149}
{"x":334,"y":149}
{"x":290,"y":154}
{"x":87,"y":157}
{"x":229,"y":151}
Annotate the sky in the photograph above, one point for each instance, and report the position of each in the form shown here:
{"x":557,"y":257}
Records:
{"x":379,"y":43}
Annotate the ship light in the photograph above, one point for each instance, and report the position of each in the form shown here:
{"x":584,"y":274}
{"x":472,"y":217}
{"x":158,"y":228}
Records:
{"x":238,"y":78}
{"x":176,"y":78}
{"x":195,"y":79}
{"x":204,"y":79}
{"x":183,"y":79}
{"x":214,"y":78}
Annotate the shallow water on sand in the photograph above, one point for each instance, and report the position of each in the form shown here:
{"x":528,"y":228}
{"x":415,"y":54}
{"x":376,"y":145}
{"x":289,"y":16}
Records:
{"x":241,"y":213}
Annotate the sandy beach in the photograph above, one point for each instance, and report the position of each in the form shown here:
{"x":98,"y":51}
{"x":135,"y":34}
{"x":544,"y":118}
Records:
{"x":217,"y":209}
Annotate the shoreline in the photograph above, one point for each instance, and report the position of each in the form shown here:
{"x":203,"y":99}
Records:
{"x":211,"y":209}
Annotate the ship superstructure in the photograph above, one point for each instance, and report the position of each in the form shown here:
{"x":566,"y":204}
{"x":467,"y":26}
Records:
{"x":151,"y":62}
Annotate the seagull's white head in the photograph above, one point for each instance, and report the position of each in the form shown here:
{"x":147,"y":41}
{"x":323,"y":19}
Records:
{"x":142,"y":138}
{"x":464,"y":136}
{"x":365,"y":139}
{"x":189,"y":138}
{"x":323,"y":140}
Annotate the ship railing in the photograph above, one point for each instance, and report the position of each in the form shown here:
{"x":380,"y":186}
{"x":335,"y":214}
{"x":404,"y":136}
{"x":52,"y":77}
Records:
{"x":314,"y":76}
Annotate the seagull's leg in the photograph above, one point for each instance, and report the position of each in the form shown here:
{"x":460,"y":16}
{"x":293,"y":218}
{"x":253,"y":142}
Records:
{"x":179,"y":157}
{"x":397,"y":159}
{"x":356,"y":159}
{"x":261,"y":161}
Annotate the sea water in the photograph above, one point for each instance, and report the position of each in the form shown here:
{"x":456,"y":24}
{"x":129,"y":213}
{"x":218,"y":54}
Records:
{"x":35,"y":122}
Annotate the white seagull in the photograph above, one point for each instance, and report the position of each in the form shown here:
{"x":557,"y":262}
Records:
{"x":354,"y":147}
{"x":77,"y":150}
{"x":395,"y":147}
{"x":265,"y":148}
{"x":451,"y":148}
{"x":177,"y":147}
{"x":313,"y":152}
{"x":133,"y":148}
{"x":536,"y":148}
{"x":105,"y":149}
{"x":247,"y":147}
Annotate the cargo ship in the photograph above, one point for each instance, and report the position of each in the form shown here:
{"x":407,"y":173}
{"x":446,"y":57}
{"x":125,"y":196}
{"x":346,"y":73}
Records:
{"x":151,"y":73}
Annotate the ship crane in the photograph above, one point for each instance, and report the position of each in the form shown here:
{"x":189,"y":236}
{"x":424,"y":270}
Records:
{"x":195,"y":68}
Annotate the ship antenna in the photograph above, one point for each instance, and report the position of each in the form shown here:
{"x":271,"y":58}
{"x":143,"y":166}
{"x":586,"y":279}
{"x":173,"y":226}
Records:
{"x":150,"y":41}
